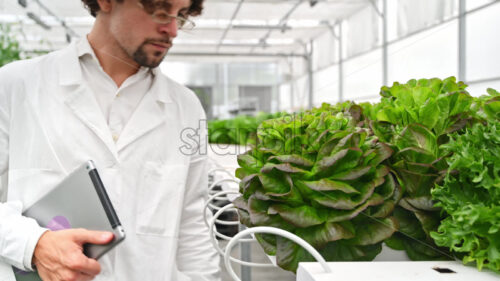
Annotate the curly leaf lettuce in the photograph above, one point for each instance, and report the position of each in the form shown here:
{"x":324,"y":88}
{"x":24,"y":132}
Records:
{"x":470,"y":195}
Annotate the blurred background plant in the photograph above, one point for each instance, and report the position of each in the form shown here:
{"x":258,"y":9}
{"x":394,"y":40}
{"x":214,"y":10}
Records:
{"x":9,"y":45}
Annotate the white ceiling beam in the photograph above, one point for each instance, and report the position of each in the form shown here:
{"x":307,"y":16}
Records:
{"x":61,"y":21}
{"x":282,"y":22}
{"x":230,"y":24}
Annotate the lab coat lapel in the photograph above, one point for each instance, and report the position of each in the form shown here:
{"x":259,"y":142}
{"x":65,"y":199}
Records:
{"x":78,"y":97}
{"x":149,"y":114}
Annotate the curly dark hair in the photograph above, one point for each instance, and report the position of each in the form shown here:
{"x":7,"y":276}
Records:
{"x":194,"y":10}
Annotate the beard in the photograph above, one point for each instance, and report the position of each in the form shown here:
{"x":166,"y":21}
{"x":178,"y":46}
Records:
{"x":141,"y":57}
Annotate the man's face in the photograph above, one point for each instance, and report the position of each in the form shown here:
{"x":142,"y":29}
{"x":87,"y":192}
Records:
{"x":135,"y":32}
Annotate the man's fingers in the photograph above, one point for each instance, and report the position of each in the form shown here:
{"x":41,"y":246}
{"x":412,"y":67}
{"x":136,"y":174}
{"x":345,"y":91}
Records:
{"x":83,"y":236}
{"x":87,"y":266}
{"x":85,"y":277}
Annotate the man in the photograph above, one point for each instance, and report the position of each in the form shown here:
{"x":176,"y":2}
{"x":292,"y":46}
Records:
{"x":103,"y":98}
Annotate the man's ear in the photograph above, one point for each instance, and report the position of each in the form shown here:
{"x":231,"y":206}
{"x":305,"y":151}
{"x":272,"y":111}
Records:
{"x":105,"y":5}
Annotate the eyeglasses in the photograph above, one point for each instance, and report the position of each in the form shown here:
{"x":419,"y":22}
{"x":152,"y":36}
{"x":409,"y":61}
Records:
{"x":158,"y":12}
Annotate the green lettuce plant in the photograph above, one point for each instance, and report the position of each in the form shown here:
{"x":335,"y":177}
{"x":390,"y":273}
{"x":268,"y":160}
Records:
{"x":320,"y":176}
{"x":470,"y":196}
{"x":487,"y":107}
{"x":415,"y":119}
{"x":9,"y":46}
{"x":241,"y":130}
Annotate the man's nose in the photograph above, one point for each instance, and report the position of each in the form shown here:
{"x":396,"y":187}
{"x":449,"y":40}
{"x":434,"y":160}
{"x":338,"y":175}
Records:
{"x":169,"y":28}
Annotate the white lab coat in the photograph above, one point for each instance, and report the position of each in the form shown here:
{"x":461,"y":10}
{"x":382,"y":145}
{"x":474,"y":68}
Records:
{"x":50,"y":123}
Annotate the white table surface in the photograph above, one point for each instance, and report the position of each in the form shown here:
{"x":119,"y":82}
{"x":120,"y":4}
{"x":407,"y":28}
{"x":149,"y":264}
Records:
{"x":393,"y":271}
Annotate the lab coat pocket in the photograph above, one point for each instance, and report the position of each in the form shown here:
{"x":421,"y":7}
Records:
{"x":160,"y":197}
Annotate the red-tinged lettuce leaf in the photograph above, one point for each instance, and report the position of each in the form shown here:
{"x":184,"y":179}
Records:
{"x":289,"y":254}
{"x":424,"y":203}
{"x":259,"y":216}
{"x":350,"y":161}
{"x":395,"y":243}
{"x":342,"y":251}
{"x":327,"y":162}
{"x":409,"y":226}
{"x":320,"y":235}
{"x":383,"y":210}
{"x":330,"y":185}
{"x":429,"y":221}
{"x":276,"y":183}
{"x":343,"y":215}
{"x":303,"y":216}
{"x":352,"y":174}
{"x":452,"y":106}
{"x":371,"y":231}
{"x":426,"y":250}
{"x":286,"y":167}
{"x":416,"y":135}
{"x":249,"y":163}
{"x":343,"y":201}
{"x":244,"y":217}
{"x":267,"y":242}
{"x":258,"y":211}
{"x":241,"y":173}
{"x":388,"y":188}
{"x":416,"y":184}
{"x":415,"y":155}
{"x":382,"y":152}
{"x":249,"y":185}
{"x":383,"y":130}
{"x":241,"y":203}
{"x":413,"y":239}
{"x":420,"y":168}
{"x":294,"y":159}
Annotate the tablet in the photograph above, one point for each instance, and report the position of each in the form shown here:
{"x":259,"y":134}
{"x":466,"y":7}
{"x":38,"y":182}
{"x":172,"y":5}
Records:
{"x":79,"y":201}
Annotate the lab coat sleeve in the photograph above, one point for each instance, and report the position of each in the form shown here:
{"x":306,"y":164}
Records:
{"x":196,"y":256}
{"x":18,"y":235}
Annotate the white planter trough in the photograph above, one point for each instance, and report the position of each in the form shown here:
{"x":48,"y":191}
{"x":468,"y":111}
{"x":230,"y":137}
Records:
{"x":391,"y":265}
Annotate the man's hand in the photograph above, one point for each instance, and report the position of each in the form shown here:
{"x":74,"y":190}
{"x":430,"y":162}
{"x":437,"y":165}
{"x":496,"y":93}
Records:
{"x":59,"y":254}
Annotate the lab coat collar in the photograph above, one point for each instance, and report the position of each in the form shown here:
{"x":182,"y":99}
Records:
{"x":148,"y":115}
{"x":160,"y":87}
{"x":68,"y":66}
{"x":70,"y":72}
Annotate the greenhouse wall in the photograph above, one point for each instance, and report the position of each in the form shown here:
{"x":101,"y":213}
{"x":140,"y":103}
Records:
{"x":483,"y":44}
{"x":363,"y":76}
{"x":326,"y":83}
{"x":433,"y":53}
{"x":420,"y":45}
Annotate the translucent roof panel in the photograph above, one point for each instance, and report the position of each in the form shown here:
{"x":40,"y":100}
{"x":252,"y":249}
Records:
{"x":226,"y":26}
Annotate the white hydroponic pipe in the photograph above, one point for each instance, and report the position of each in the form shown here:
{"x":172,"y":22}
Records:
{"x":275,"y":231}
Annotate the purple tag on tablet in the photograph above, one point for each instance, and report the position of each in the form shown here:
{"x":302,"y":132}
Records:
{"x":58,"y":223}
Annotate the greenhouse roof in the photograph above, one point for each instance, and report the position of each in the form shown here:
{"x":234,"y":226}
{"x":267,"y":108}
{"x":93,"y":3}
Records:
{"x":253,"y":28}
